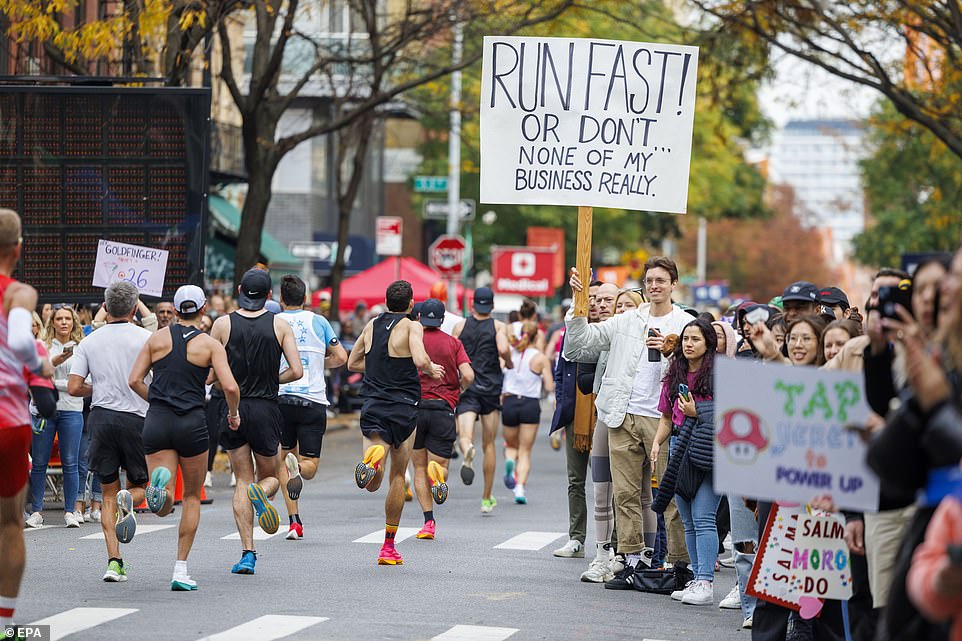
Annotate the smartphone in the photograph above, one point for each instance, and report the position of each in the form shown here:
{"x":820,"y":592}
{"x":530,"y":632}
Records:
{"x":955,"y":553}
{"x":888,"y":297}
{"x":757,"y":314}
{"x":68,"y":347}
{"x":684,"y":392}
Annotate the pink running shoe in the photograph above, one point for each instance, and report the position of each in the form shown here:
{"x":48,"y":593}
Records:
{"x":427,"y":532}
{"x":389,"y":556}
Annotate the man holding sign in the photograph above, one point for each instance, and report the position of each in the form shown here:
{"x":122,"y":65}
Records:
{"x":628,"y":401}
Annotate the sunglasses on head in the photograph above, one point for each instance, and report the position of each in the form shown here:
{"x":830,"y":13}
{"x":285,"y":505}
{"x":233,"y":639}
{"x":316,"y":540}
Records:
{"x":59,"y":306}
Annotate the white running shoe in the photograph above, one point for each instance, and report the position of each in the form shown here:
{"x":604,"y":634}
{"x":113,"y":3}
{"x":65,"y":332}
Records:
{"x":94,"y":516}
{"x":678,"y":595}
{"x":70,"y":519}
{"x":701,"y":593}
{"x":79,"y":516}
{"x":35,"y":520}
{"x":733,"y":601}
{"x":573,"y":549}
{"x":599,"y":571}
{"x":747,"y":624}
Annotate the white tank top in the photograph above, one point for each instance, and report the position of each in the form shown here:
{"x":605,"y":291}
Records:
{"x":520,"y":380}
{"x":312,"y":350}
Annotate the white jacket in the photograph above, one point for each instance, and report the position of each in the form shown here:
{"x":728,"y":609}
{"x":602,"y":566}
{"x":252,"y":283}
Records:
{"x":623,"y":336}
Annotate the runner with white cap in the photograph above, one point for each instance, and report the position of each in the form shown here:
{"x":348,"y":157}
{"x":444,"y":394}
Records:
{"x":175,"y":429}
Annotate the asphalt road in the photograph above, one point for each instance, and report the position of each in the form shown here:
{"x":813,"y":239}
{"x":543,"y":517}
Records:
{"x":459,"y":587}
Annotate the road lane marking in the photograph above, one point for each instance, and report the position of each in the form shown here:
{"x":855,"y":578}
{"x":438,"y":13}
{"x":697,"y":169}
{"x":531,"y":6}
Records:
{"x":529,"y":541}
{"x":141,"y":529}
{"x":259,"y":535}
{"x":80,"y":619}
{"x":266,"y":628}
{"x":475,"y":633}
{"x":378,"y":535}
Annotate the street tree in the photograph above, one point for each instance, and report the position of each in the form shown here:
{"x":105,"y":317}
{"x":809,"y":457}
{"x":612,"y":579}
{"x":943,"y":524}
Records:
{"x":910,"y":51}
{"x":390,"y":49}
{"x":149,"y":38}
{"x":913,"y":186}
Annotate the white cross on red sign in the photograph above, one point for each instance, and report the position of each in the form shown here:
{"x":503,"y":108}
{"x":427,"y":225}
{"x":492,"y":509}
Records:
{"x":522,"y":270}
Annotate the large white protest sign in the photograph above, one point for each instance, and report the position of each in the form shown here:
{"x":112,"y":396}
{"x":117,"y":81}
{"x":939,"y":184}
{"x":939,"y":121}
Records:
{"x":579,"y":121}
{"x":144,"y":267}
{"x":782,"y":433}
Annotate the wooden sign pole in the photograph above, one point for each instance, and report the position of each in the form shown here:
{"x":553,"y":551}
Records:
{"x":583,"y":260}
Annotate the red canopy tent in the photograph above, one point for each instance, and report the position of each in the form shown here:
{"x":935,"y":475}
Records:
{"x":369,"y":285}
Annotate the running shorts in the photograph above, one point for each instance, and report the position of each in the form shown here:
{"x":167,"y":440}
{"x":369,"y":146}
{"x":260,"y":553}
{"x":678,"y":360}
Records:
{"x":390,"y":421}
{"x":304,"y":425}
{"x":116,"y":441}
{"x":14,"y":459}
{"x":480,"y":404}
{"x":164,"y":429}
{"x":260,"y":427}
{"x":520,"y":410}
{"x":437,"y":428}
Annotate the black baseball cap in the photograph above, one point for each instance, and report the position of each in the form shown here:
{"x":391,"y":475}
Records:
{"x":254,"y":288}
{"x":432,"y":313}
{"x":833,"y":296}
{"x":802,"y":291}
{"x":483,"y":300}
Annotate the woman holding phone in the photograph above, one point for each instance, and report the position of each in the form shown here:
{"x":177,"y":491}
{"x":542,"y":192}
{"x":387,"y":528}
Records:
{"x":688,"y":411}
{"x":62,"y":334}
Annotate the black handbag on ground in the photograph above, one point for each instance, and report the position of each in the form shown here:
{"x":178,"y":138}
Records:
{"x":663,"y":581}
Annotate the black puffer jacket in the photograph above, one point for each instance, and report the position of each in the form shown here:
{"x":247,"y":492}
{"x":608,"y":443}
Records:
{"x":691,"y":459}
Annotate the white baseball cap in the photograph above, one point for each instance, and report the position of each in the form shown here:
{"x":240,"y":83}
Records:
{"x":189,"y":299}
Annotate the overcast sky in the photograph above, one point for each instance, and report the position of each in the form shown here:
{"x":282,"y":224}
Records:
{"x":802,"y":91}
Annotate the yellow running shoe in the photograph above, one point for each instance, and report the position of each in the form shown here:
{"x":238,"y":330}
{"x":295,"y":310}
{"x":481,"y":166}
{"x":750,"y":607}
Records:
{"x":367,"y":469}
{"x":439,"y":489}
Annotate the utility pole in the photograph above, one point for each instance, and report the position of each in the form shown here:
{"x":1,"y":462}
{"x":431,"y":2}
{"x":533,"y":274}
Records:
{"x":702,"y":249}
{"x":454,"y":150}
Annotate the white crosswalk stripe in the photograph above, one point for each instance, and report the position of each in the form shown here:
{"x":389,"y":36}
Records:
{"x":378,"y":535}
{"x":529,"y":541}
{"x":141,"y":530}
{"x":80,"y":619}
{"x":266,"y":628}
{"x":475,"y":633}
{"x":259,"y":535}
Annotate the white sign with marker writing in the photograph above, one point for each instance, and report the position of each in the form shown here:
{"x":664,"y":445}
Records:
{"x":579,"y":121}
{"x":144,"y":267}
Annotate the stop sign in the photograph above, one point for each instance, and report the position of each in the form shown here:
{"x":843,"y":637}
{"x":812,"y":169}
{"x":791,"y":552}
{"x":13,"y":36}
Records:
{"x":446,"y":255}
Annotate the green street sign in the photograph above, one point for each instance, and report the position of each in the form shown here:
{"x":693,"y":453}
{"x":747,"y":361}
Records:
{"x":430,"y":184}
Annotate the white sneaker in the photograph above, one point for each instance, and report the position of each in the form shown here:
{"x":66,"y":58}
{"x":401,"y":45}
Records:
{"x":208,"y":482}
{"x":599,"y":571}
{"x":617,"y":564}
{"x":95,"y":516}
{"x":70,"y":519}
{"x":678,"y":595}
{"x":521,"y":499}
{"x":79,"y":516}
{"x":35,"y":520}
{"x":701,"y":593}
{"x":747,"y":624}
{"x":733,"y":601}
{"x":573,"y":549}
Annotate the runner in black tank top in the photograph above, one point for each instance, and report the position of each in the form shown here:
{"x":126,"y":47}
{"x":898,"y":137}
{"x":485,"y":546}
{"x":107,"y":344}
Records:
{"x":392,"y":391}
{"x":486,"y":343}
{"x":254,"y":340}
{"x":175,"y":429}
